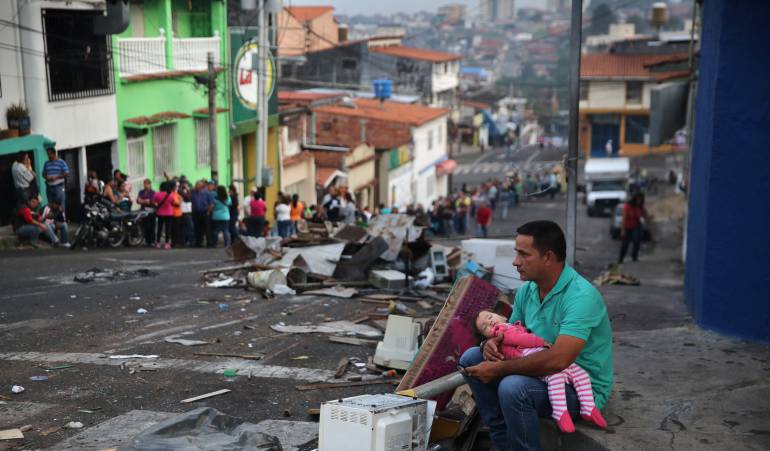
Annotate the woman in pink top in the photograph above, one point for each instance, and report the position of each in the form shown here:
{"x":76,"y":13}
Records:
{"x":163,"y":201}
{"x":256,"y":219}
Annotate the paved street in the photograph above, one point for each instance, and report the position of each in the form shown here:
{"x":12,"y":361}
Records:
{"x":476,"y":168}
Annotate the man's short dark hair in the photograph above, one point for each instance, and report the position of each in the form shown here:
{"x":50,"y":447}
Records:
{"x":546,"y":236}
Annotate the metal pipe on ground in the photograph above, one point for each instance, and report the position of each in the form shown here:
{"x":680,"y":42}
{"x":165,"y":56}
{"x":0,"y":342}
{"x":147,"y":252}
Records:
{"x":435,"y":387}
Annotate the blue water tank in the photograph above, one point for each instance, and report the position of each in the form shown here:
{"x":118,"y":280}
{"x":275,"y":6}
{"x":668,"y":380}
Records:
{"x":383,"y":88}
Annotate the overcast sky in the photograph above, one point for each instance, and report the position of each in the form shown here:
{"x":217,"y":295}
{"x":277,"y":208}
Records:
{"x":392,"y":6}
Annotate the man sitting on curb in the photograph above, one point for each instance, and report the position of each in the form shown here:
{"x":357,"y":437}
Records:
{"x":31,"y":225}
{"x":563,"y":308}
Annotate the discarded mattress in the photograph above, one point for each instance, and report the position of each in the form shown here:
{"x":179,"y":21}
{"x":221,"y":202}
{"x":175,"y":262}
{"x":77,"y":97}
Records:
{"x":203,"y":429}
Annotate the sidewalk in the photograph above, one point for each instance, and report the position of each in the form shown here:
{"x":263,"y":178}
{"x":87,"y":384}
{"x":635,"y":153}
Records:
{"x":676,"y":386}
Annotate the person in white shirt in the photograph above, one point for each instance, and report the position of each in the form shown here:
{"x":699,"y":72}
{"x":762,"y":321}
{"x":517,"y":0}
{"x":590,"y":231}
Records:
{"x":23,"y":176}
{"x":283,"y":217}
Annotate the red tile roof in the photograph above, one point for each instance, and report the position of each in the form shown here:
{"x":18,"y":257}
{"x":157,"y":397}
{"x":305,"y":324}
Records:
{"x":304,"y":96}
{"x":416,"y":54}
{"x":323,"y":175}
{"x":404,"y":113}
{"x":610,"y":65}
{"x":303,"y":13}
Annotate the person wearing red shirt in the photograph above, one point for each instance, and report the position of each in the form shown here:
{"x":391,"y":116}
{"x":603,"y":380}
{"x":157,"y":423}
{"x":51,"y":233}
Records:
{"x":484,"y":218}
{"x":631,"y":232}
{"x":31,"y":226}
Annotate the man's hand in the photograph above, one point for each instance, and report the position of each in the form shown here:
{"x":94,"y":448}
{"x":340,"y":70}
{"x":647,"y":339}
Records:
{"x":485,"y":372}
{"x":491,"y":349}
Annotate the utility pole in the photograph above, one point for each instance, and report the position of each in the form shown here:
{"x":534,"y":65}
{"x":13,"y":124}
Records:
{"x":212,"y":87}
{"x":260,"y":141}
{"x":574,"y":119}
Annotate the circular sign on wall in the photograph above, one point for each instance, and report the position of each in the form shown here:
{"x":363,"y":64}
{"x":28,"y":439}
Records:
{"x":245,"y":78}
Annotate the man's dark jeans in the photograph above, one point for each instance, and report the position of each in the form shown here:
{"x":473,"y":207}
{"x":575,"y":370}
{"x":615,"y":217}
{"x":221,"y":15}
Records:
{"x":200,"y":223}
{"x":511,"y":407}
{"x":55,"y":193}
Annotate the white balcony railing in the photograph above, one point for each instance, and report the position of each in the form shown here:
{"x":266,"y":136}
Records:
{"x":141,"y":55}
{"x":192,"y":53}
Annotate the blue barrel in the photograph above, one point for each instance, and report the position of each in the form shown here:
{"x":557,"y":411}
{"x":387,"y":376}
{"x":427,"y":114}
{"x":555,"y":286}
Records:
{"x":383,"y":88}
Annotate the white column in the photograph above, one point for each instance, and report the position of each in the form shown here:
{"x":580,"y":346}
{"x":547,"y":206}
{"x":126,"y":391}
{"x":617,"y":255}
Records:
{"x":83,"y":176}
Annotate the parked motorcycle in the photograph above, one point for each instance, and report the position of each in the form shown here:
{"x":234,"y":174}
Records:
{"x":106,"y":226}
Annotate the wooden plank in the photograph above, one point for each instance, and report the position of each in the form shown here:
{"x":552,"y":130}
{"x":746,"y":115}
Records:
{"x":238,"y":356}
{"x":374,"y":301}
{"x":306,"y":387}
{"x":341,"y":367}
{"x":207,"y":395}
{"x":11,"y":434}
{"x":353,"y":341}
{"x":360,"y":319}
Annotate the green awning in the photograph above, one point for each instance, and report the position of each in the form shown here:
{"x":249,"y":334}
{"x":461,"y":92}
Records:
{"x":29,"y":142}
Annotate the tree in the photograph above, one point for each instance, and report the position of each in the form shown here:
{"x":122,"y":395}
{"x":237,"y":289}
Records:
{"x":601,"y":18}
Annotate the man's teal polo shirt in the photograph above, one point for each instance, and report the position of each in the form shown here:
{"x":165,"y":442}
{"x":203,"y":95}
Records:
{"x":573,"y":307}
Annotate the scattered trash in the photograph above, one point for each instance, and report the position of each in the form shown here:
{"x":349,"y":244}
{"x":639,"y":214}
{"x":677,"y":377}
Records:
{"x":141,"y":311}
{"x":38,"y":378}
{"x":50,"y":430}
{"x":239,"y":356}
{"x":26,"y":428}
{"x":495,"y":254}
{"x":222,"y":283}
{"x":390,"y":373}
{"x":321,"y":386}
{"x":281,"y":289}
{"x":59,"y":367}
{"x":205,"y":428}
{"x":134,"y":356}
{"x":73,"y":296}
{"x":388,"y":279}
{"x":614,"y":277}
{"x":230,"y":372}
{"x":318,"y":259}
{"x":333,"y":327}
{"x":266,"y":279}
{"x":184,"y":341}
{"x":11,"y":434}
{"x":90,"y":411}
{"x":400,"y":307}
{"x":105,"y":275}
{"x":207,"y":395}
{"x":17,"y":389}
{"x":301,"y":357}
{"x":425,"y":305}
{"x":134,"y":298}
{"x":353,"y":341}
{"x":223,"y":307}
{"x":336,"y":291}
{"x":394,"y":229}
{"x":425,"y":278}
{"x":400,"y":344}
{"x":74,"y":425}
{"x":342,"y":366}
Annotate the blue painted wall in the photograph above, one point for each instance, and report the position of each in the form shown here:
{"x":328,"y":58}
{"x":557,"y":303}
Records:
{"x":727,"y":284}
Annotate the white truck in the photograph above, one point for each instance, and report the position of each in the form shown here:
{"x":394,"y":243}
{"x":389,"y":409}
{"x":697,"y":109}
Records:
{"x":606,"y":181}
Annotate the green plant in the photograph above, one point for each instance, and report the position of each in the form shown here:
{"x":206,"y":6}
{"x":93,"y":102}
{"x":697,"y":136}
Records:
{"x":16,"y":111}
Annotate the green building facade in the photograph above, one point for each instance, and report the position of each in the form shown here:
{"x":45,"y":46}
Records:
{"x":160,"y":67}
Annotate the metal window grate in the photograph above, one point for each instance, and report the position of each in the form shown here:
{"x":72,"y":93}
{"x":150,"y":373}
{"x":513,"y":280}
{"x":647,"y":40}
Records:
{"x":164,"y":150}
{"x":135,"y":163}
{"x":202,"y":143}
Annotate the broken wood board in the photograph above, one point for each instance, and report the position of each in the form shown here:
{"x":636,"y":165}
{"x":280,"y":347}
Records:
{"x":11,"y":434}
{"x":332,"y":327}
{"x":341,"y":367}
{"x":207,"y":395}
{"x":355,"y":268}
{"x":394,"y":229}
{"x":451,"y":335}
{"x":323,"y":386}
{"x":353,"y":341}
{"x":237,"y":356}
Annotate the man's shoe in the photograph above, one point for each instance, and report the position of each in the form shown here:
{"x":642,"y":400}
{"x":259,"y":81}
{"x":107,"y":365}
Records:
{"x":64,"y":245}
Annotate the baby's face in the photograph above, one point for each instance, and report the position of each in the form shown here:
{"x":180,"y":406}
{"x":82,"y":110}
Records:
{"x":488,"y":320}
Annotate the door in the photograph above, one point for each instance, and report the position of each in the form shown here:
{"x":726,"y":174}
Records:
{"x":72,"y":184}
{"x":605,"y":135}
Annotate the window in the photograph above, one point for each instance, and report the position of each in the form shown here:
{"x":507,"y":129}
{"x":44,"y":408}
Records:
{"x":430,"y":139}
{"x":634,"y":92}
{"x":294,"y":188}
{"x":584,"y":90}
{"x":441,"y":134}
{"x":78,"y":62}
{"x":349,"y":64}
{"x":164,"y":150}
{"x":446,"y":68}
{"x":202,"y":143}
{"x":135,"y":162}
{"x":638,"y":129}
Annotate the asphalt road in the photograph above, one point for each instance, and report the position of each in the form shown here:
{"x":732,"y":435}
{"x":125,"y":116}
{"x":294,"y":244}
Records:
{"x":476,"y":168}
{"x":46,"y":318}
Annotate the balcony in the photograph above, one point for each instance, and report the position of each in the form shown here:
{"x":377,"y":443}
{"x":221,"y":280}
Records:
{"x":147,"y":56}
